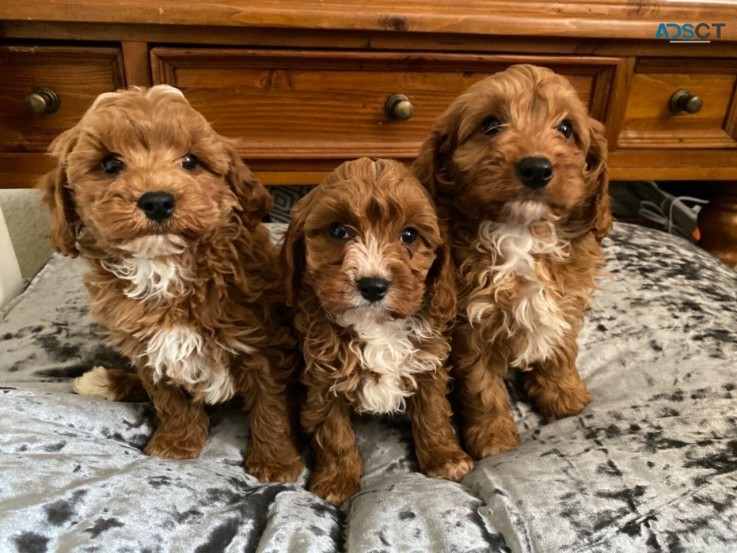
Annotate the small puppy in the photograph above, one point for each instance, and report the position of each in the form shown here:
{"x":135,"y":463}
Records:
{"x":518,"y":169}
{"x":182,"y":273}
{"x":368,"y":276}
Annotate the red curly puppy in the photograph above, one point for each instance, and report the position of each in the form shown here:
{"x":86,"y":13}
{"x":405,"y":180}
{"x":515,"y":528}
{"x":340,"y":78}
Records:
{"x":518,"y":169}
{"x":373,"y":292}
{"x":182,"y":273}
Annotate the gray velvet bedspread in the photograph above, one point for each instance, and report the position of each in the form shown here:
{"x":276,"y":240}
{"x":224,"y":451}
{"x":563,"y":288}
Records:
{"x":648,"y":466}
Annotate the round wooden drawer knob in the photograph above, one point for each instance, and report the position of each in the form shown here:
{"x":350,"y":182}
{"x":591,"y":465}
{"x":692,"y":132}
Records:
{"x":683,"y":100}
{"x":398,"y":107}
{"x":43,"y":101}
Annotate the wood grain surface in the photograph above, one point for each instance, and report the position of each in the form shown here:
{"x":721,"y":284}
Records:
{"x":76,"y":74}
{"x":571,"y":18}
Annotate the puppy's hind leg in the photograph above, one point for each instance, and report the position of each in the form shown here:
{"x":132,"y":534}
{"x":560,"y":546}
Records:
{"x":111,"y":384}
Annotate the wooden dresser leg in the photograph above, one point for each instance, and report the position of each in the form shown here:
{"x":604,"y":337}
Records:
{"x":718,"y":223}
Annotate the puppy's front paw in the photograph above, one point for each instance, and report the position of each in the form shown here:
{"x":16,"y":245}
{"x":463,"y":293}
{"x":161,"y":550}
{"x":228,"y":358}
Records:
{"x":170,"y":444}
{"x":334,"y":488}
{"x":497,"y":447}
{"x":493,"y":438}
{"x":453,"y":466}
{"x":564,"y":400}
{"x":273,"y":470}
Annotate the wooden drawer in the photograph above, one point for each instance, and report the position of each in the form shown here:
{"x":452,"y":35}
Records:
{"x":649,"y":121}
{"x":312,"y":105}
{"x":77,"y":75}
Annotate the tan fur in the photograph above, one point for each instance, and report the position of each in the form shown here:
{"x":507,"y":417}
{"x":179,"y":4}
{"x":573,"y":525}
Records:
{"x":111,"y":384}
{"x":526,"y":259}
{"x":190,"y":301}
{"x":380,"y":357}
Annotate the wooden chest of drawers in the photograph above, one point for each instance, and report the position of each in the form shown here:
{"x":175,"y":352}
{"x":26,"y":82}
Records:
{"x":649,"y":121}
{"x":301,"y":107}
{"x":305,"y":84}
{"x":77,"y":75}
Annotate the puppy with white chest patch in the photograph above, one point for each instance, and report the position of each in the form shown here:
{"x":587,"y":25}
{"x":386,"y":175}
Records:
{"x":182,"y":273}
{"x":369,"y":279}
{"x":518,"y":169}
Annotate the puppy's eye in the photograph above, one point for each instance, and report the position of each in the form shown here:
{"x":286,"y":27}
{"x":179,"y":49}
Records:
{"x":112,"y":165}
{"x":408,"y":236}
{"x":491,"y":126}
{"x":190,"y":162}
{"x":565,"y":128}
{"x":339,"y":231}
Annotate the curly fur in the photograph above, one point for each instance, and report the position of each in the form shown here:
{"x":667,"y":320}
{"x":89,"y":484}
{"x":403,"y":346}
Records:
{"x":375,"y":358}
{"x":526,"y":258}
{"x":191,"y":300}
{"x":389,"y":351}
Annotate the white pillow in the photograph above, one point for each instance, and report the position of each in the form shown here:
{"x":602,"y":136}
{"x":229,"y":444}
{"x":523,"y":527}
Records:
{"x":11,"y":282}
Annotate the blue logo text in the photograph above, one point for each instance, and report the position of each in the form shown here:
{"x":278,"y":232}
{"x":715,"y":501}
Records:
{"x":690,"y":32}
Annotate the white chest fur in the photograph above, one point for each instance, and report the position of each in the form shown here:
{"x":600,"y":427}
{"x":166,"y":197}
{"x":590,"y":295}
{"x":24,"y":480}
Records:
{"x":149,"y":278}
{"x":181,"y":354}
{"x":517,"y":291}
{"x":153,"y":267}
{"x":388,"y":351}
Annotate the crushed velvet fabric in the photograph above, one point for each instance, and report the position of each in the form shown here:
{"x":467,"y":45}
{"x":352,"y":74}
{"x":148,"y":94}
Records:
{"x":648,"y":466}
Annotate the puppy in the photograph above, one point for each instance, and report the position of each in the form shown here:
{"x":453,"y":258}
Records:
{"x":182,"y":274}
{"x":518,"y":169}
{"x":368,"y":277}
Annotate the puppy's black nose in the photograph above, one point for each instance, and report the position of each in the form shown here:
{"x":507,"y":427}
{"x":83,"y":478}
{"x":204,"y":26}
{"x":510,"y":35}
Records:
{"x":372,"y":289}
{"x":157,"y":206}
{"x":535,"y":172}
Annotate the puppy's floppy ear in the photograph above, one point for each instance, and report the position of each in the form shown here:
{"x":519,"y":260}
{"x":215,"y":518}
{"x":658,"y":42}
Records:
{"x":442,"y":287}
{"x":59,"y":197}
{"x":597,"y":177}
{"x":434,"y":166}
{"x":253,"y":198}
{"x":293,"y":250}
